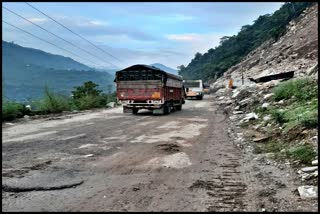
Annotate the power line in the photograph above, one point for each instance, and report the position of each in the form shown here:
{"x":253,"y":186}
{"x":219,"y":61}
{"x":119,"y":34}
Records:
{"x":46,"y":41}
{"x":72,"y":31}
{"x":56,"y":35}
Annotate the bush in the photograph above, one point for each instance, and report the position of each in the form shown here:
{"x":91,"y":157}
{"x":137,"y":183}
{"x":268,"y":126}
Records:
{"x":12,"y":110}
{"x":87,"y":96}
{"x":87,"y":102}
{"x":53,"y":103}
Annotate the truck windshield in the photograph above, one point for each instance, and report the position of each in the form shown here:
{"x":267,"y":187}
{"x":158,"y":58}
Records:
{"x":192,"y":84}
{"x":139,"y":75}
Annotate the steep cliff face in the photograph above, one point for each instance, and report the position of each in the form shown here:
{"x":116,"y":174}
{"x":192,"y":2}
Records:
{"x":297,"y":51}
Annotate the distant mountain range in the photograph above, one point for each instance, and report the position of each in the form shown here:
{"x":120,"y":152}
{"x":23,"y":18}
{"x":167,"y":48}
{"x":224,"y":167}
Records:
{"x":113,"y":69}
{"x":26,"y":71}
{"x":165,"y":68}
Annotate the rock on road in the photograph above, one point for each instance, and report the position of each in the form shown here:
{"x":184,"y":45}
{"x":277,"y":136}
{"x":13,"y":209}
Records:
{"x":105,"y":160}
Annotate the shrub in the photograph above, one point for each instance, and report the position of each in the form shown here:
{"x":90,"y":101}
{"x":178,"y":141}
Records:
{"x":88,"y":88}
{"x":87,"y":102}
{"x":53,"y":103}
{"x":12,"y":110}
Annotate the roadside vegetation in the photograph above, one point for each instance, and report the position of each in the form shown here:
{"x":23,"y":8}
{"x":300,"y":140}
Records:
{"x":83,"y":97}
{"x":294,"y":119}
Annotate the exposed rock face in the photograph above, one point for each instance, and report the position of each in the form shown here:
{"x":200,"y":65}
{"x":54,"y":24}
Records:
{"x":296,"y":51}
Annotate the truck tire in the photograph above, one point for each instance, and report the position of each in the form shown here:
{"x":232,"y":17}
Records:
{"x":135,"y":111}
{"x":199,"y":97}
{"x":166,"y":108}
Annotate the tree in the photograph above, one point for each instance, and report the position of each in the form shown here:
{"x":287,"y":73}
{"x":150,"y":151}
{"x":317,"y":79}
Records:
{"x":223,"y":39}
{"x":181,"y":68}
{"x":88,"y":88}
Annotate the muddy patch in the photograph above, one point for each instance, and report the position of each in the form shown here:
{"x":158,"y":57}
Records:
{"x":169,"y":148}
{"x":208,"y":185}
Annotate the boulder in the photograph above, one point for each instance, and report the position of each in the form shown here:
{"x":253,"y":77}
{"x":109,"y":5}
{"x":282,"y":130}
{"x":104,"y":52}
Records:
{"x":267,"y":117}
{"x":308,"y":192}
{"x":315,"y":163}
{"x":270,"y":155}
{"x":111,"y":105}
{"x":237,"y":112}
{"x":245,"y":101}
{"x":251,"y":116}
{"x":260,"y":139}
{"x":265,"y":105}
{"x":267,"y":96}
{"x":235,"y":94}
{"x":248,"y":117}
{"x":309,"y":169}
{"x":313,"y":70}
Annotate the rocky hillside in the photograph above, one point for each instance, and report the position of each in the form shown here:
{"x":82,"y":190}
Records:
{"x":277,"y":120}
{"x":233,"y":49}
{"x":296,"y":51}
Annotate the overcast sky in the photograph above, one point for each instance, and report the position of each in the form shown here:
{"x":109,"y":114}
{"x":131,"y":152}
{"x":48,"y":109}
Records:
{"x":136,"y":33}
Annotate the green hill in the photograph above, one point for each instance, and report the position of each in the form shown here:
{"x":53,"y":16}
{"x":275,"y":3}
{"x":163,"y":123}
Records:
{"x":231,"y":50}
{"x":26,"y":71}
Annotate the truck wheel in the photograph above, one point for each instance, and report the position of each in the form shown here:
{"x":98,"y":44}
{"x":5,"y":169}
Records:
{"x":179,"y":107}
{"x":166,"y":108}
{"x":135,"y":111}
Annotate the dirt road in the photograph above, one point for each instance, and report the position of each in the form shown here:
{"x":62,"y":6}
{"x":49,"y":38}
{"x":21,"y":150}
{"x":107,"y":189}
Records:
{"x":109,"y":161}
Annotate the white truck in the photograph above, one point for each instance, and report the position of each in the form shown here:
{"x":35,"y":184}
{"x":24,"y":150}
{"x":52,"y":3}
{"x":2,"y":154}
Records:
{"x":193,"y":88}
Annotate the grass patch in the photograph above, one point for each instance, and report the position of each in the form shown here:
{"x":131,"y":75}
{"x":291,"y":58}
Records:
{"x":279,"y":116}
{"x":303,"y":89}
{"x":273,"y":147}
{"x":300,"y":111}
{"x":304,"y":153}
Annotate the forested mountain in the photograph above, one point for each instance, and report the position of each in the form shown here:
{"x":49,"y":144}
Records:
{"x":26,"y":71}
{"x":233,"y":49}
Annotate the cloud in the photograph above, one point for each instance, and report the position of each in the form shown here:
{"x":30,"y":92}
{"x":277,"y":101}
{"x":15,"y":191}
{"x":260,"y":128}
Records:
{"x":181,"y":17}
{"x":99,"y":23}
{"x":181,"y":37}
{"x":93,"y":27}
{"x":38,"y":20}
